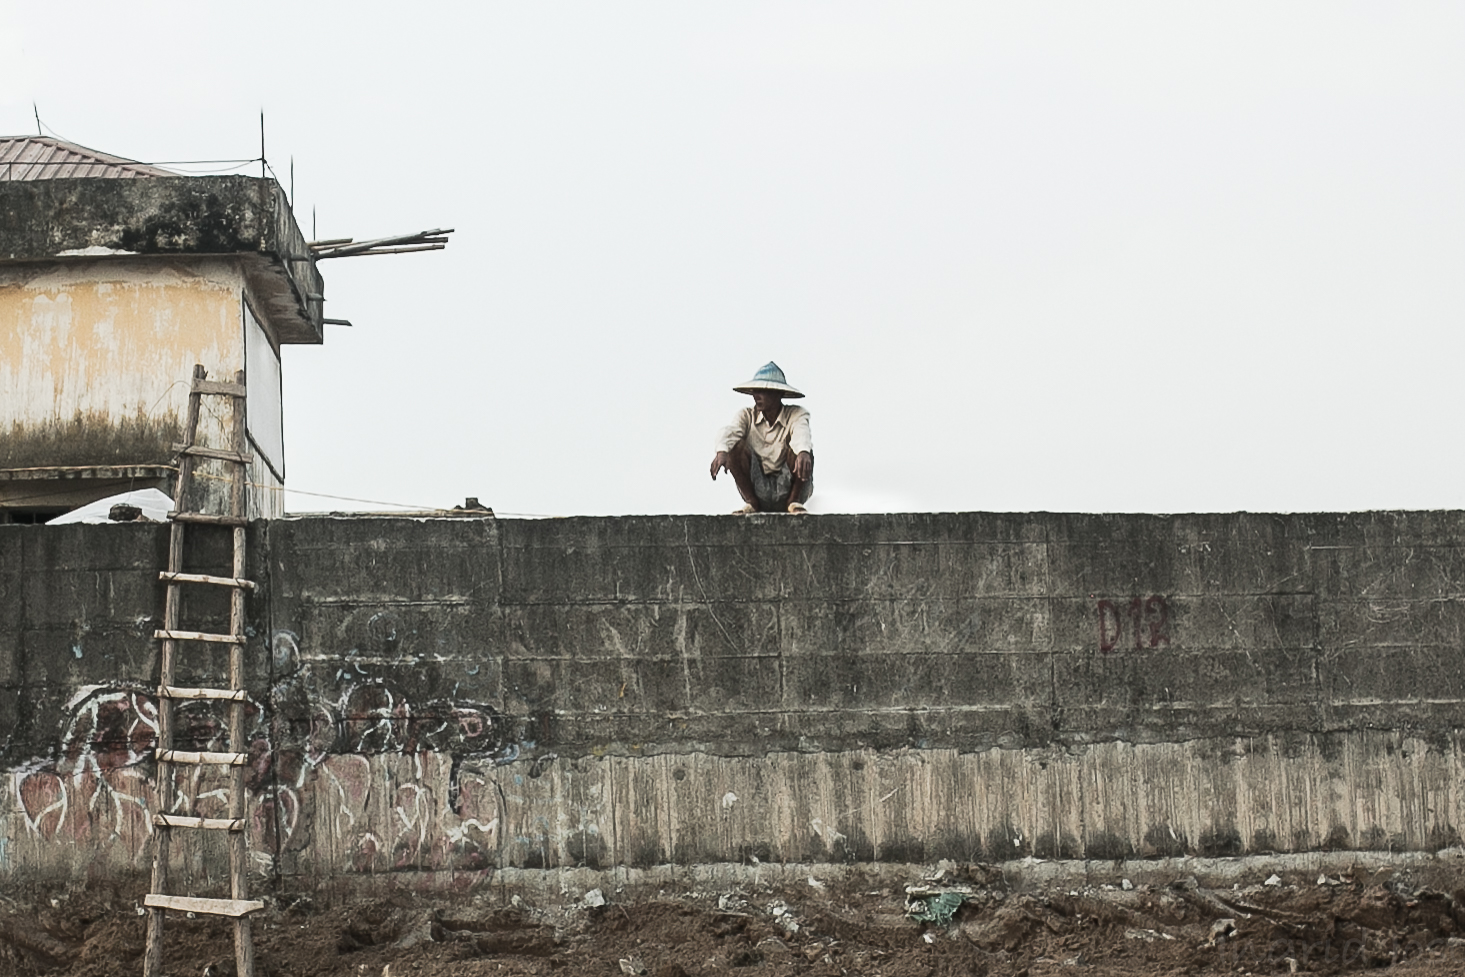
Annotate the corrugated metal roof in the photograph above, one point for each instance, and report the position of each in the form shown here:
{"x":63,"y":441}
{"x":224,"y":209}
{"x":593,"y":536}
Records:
{"x":44,"y":158}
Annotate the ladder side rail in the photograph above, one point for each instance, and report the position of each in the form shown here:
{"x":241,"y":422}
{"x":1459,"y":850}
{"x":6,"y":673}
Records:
{"x":190,"y":435}
{"x":163,"y":789}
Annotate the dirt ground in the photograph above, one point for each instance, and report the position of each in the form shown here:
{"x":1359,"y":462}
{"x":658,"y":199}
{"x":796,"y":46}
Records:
{"x":1321,"y":925}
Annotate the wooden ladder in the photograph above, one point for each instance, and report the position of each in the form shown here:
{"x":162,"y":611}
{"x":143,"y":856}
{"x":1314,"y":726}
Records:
{"x":158,"y":901}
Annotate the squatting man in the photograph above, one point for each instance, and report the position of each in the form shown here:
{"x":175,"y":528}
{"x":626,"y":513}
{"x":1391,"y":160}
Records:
{"x":768,"y":449}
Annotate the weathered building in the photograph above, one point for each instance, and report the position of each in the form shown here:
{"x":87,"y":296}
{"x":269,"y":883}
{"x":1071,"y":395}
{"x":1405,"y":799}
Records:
{"x":116,"y":278}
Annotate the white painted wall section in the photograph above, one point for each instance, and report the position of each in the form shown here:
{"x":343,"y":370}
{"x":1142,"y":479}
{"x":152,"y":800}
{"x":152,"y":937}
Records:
{"x":263,"y":405}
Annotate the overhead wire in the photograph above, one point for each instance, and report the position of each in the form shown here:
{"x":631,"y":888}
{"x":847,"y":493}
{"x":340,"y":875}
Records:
{"x":45,"y":129}
{"x":406,"y":506}
{"x":409,"y":506}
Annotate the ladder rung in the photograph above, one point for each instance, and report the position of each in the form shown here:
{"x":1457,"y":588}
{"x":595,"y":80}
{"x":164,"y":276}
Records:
{"x":215,"y":824}
{"x":180,"y":692}
{"x":188,"y":756}
{"x":205,"y":578}
{"x":213,"y":907}
{"x":208,"y":519}
{"x":218,"y":387}
{"x":199,"y":451}
{"x":228,"y":639}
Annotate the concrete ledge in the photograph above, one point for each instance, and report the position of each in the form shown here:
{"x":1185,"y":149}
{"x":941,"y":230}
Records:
{"x":89,"y":219}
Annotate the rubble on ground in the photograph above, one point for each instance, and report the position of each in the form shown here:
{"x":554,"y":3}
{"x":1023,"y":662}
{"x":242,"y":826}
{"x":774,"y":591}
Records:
{"x":954,"y":919}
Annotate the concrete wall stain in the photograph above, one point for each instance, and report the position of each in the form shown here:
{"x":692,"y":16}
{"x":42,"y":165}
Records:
{"x":92,"y":438}
{"x":114,"y":336}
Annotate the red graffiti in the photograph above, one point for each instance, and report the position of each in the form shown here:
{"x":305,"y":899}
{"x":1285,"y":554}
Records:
{"x":1157,"y":613}
{"x":1110,"y":626}
{"x":1149,"y":622}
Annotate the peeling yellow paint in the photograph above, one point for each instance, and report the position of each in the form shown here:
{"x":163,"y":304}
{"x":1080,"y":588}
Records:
{"x":70,"y":343}
{"x":119,"y":339}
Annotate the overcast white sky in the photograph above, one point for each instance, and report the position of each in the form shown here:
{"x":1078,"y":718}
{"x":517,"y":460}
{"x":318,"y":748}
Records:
{"x":1023,"y":256}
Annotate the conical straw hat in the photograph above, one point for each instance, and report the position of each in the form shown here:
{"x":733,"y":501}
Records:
{"x":769,"y":377}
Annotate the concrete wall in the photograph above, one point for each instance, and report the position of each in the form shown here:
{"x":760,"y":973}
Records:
{"x":435,"y":699}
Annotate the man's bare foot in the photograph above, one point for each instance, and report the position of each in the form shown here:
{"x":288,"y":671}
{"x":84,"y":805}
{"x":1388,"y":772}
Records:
{"x":796,"y":509}
{"x":746,"y":510}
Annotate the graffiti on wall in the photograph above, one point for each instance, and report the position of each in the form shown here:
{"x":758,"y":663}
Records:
{"x":1143,"y":621}
{"x":404,"y":783}
{"x":93,"y":784}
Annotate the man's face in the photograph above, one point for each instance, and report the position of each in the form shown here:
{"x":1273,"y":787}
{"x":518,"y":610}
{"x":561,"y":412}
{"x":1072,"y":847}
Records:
{"x":768,"y":401}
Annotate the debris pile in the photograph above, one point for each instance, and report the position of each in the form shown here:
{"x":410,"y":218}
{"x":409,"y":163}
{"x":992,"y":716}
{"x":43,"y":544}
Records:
{"x":955,"y":919}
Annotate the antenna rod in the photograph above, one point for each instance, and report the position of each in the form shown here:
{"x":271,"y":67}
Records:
{"x":262,"y":144}
{"x":37,"y":111}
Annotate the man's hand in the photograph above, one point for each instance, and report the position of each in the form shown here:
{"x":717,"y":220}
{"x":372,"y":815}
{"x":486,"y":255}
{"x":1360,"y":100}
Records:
{"x":720,"y":464}
{"x":803,"y":466}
